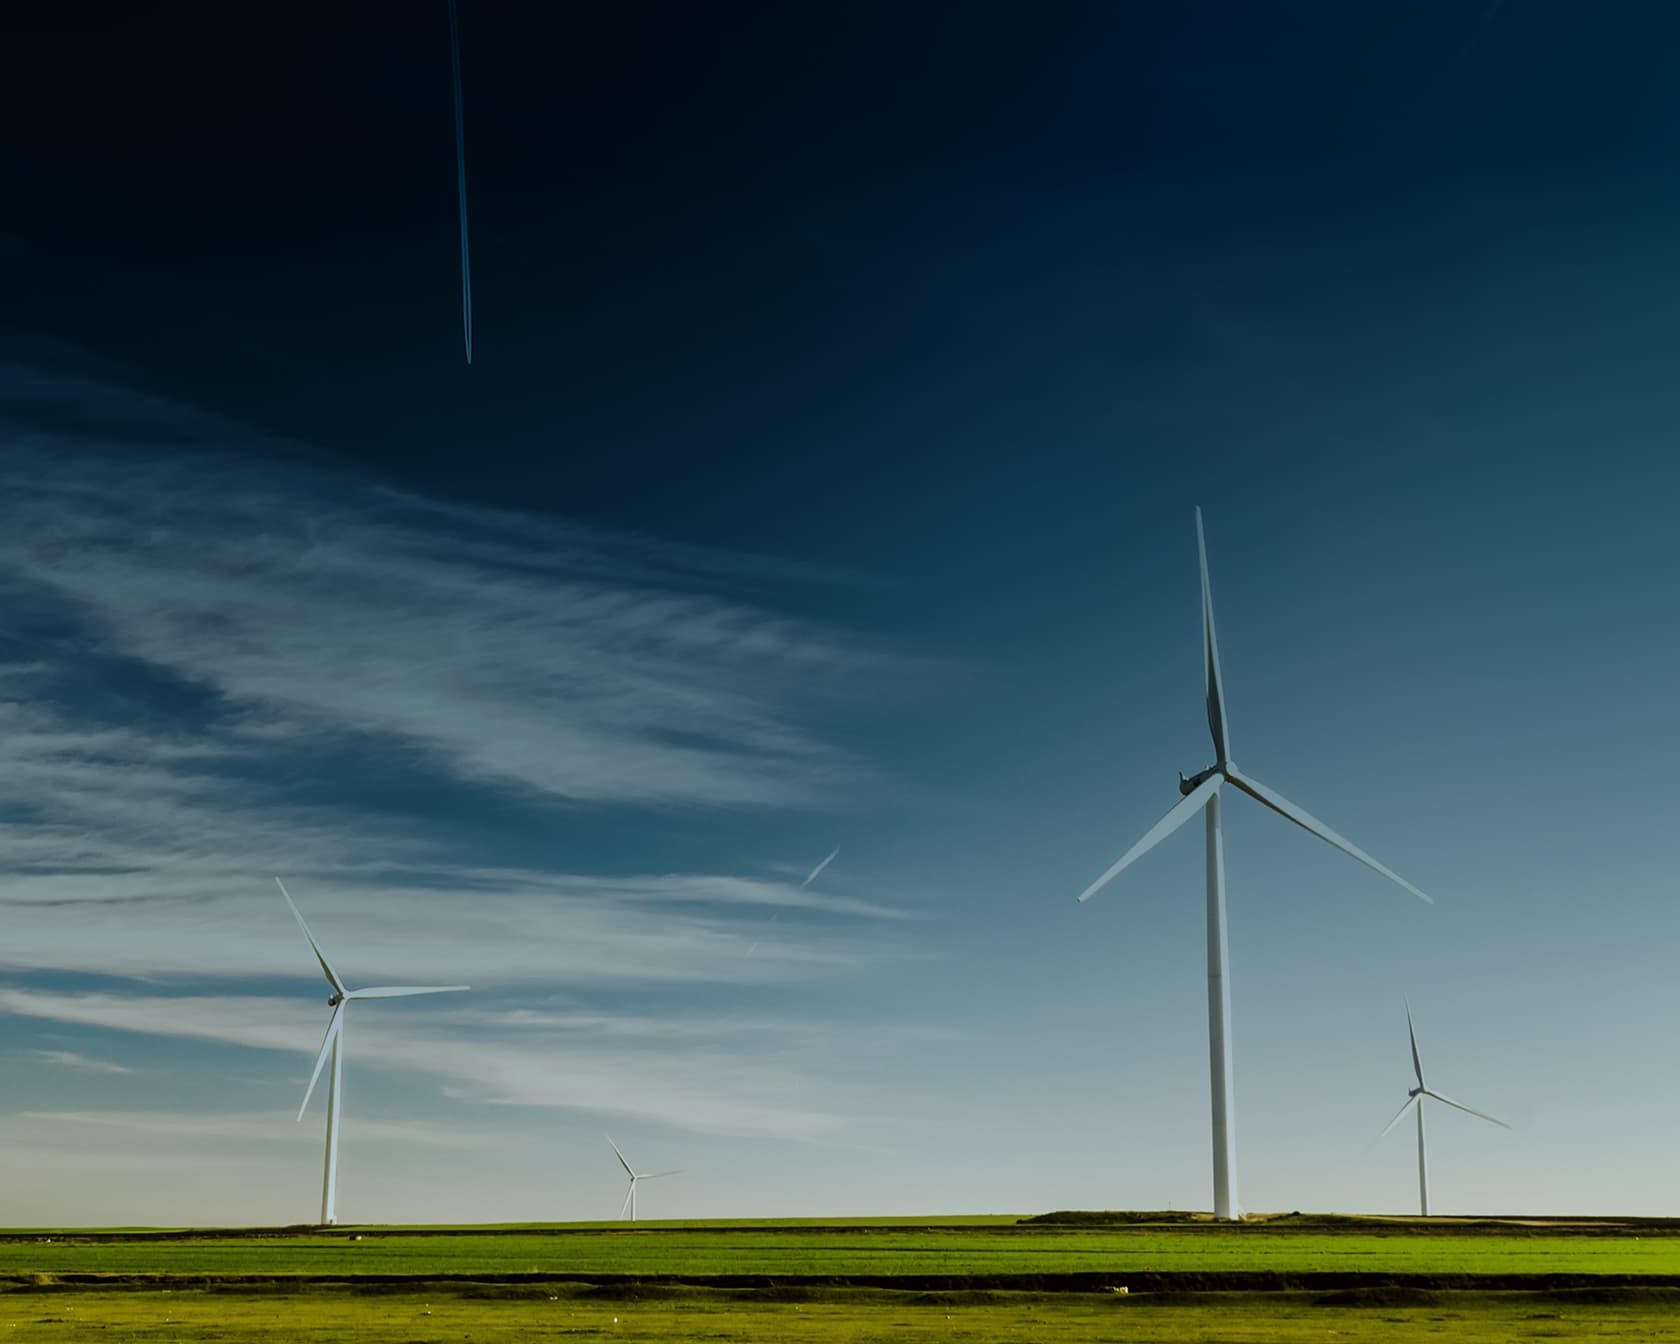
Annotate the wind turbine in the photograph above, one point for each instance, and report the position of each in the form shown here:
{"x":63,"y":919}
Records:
{"x":634,"y":1175}
{"x":1202,"y":791}
{"x":1414,"y":1097}
{"x":333,"y":1043}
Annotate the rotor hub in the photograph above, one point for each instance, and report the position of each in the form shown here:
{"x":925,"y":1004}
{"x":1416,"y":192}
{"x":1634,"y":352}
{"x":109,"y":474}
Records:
{"x":1189,"y":786}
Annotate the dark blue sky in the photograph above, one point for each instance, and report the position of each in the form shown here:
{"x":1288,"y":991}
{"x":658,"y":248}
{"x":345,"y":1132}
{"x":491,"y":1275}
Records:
{"x":845,"y":377}
{"x":781,"y":277}
{"x":940,"y":291}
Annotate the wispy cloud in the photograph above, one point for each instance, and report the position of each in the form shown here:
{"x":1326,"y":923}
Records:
{"x":177,"y":859}
{"x":219,"y":664}
{"x":248,"y":1126}
{"x":560,"y":660}
{"x":69,"y":1059}
{"x":214,"y":918}
{"x":695,"y":1079}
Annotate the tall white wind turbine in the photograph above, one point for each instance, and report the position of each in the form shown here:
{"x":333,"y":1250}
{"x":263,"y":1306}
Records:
{"x":1201,"y":791}
{"x":634,"y":1175}
{"x":333,"y":1043}
{"x":1414,"y":1097}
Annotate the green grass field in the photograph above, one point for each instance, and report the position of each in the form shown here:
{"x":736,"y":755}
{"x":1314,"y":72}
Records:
{"x":933,"y":1279}
{"x":978,"y":1249}
{"x":697,"y":1315}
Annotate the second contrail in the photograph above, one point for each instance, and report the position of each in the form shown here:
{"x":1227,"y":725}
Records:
{"x":461,"y":180}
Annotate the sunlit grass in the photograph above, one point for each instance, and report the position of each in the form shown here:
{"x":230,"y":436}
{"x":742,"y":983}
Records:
{"x":922,"y":1247}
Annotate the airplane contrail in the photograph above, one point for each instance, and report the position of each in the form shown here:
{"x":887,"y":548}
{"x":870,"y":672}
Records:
{"x":810,"y":878}
{"x":813,"y":877}
{"x":461,"y":179}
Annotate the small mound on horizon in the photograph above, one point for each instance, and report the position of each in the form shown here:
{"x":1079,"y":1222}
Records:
{"x":1113,"y":1217}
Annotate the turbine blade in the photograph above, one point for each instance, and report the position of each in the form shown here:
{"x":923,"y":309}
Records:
{"x":1181,"y":812}
{"x":1210,"y":656}
{"x":321,"y":1058}
{"x":813,"y":876}
{"x":1307,"y":822}
{"x":1397,"y":1117}
{"x":1416,"y":1062}
{"x":320,"y":956}
{"x":1468,"y":1110}
{"x":624,"y":1208}
{"x":404,"y":991}
{"x":650,"y":1175}
{"x":621,"y":1161}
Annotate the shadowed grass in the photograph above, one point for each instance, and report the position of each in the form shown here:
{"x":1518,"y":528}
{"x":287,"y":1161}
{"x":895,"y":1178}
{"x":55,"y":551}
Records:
{"x":674,"y":1316}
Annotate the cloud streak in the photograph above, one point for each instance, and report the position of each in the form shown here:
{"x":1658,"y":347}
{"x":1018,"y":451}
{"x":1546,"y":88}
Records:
{"x":694,"y":1079}
{"x":216,"y":658}
{"x":69,"y":1059}
{"x":218,"y":665}
{"x":245,"y":1126}
{"x":300,"y":606}
{"x":205,"y":917}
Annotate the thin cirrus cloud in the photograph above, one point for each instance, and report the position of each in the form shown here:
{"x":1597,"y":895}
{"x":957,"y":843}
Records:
{"x":243,"y":1126}
{"x":139,"y":828}
{"x":206,"y":642}
{"x":129,"y":858}
{"x":718,"y":1085}
{"x":526,"y":928}
{"x":69,"y":1059}
{"x":562,"y":661}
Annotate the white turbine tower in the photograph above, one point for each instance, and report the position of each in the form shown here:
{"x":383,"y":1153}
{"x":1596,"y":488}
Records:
{"x":333,"y":1043}
{"x":1414,"y":1097}
{"x":634,"y":1175}
{"x":1202,"y":791}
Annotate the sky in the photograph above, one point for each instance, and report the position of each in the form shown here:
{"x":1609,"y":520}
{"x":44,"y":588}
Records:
{"x":845,"y":380}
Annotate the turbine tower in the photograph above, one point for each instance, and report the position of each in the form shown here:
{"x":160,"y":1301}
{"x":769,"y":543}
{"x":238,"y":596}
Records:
{"x":634,"y":1175}
{"x":333,"y":1043}
{"x":1201,"y":791}
{"x":1414,"y":1097}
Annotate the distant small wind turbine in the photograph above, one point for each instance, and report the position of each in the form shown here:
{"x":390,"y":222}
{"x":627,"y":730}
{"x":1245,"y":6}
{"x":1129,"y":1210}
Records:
{"x":1414,"y":1097}
{"x":1202,"y":791}
{"x":333,"y":1042}
{"x":634,"y":1175}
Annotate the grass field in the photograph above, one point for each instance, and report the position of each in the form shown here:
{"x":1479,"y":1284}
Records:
{"x":956,"y":1248}
{"x":1336,"y":1279}
{"x":676,"y":1316}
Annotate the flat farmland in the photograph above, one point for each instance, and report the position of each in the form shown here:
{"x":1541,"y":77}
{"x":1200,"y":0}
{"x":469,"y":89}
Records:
{"x":999,"y":1252}
{"x":677,"y":1316}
